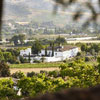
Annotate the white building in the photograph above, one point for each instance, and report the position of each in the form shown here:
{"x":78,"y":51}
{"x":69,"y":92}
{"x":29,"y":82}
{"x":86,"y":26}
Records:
{"x":63,"y":52}
{"x":60,"y":53}
{"x":25,"y":52}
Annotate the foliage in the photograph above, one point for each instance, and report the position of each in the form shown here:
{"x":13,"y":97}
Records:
{"x":36,"y":48}
{"x":72,"y":74}
{"x":43,"y":59}
{"x":1,"y":56}
{"x":18,"y":38}
{"x":18,"y":75}
{"x":4,"y":70}
{"x":6,"y":89}
{"x":23,"y":60}
{"x":37,"y":61}
{"x":30,"y":74}
{"x":60,"y":40}
{"x":9,"y":55}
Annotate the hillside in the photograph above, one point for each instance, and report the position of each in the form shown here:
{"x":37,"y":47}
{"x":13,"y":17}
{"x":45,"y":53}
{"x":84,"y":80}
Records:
{"x":38,"y":10}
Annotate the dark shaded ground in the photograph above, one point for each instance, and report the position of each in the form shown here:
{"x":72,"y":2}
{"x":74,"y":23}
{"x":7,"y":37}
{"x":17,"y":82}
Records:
{"x":72,"y":94}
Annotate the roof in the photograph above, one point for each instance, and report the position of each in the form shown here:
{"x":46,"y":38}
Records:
{"x":62,"y":48}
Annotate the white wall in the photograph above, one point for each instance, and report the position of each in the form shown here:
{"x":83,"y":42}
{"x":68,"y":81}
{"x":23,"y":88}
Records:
{"x":63,"y":55}
{"x":25,"y":52}
{"x":49,"y":52}
{"x":58,"y":56}
{"x":70,"y":53}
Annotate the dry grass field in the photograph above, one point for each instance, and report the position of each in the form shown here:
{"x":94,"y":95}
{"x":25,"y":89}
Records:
{"x":26,"y":70}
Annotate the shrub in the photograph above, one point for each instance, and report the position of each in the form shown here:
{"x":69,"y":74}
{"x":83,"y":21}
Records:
{"x":4,"y":70}
{"x":17,"y":62}
{"x":64,"y":61}
{"x":43,"y":71}
{"x":79,"y":54}
{"x":18,"y":75}
{"x":30,"y":74}
{"x":37,"y":61}
{"x":54,"y":73}
{"x":6,"y":89}
{"x":87,"y":59}
{"x":23,"y":60}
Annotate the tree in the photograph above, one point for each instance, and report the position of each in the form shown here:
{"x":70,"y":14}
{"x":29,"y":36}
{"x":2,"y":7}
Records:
{"x":60,"y":40}
{"x":1,"y":56}
{"x":21,"y":38}
{"x":83,"y":47}
{"x":46,"y":51}
{"x":52,"y":49}
{"x":36,"y":48}
{"x":18,"y":39}
{"x":23,"y":60}
{"x":29,"y":58}
{"x":4,"y":70}
{"x":8,"y":56}
{"x":15,"y":40}
{"x":98,"y":59}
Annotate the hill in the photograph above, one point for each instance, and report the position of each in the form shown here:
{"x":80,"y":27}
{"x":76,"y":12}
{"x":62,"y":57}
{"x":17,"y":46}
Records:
{"x":38,"y":10}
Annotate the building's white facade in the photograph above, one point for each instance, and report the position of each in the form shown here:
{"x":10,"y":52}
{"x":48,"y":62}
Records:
{"x":25,"y":52}
{"x":63,"y":55}
{"x":59,"y":54}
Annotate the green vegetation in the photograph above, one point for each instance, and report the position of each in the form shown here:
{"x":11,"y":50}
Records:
{"x":36,"y":48}
{"x":36,"y":65}
{"x":18,"y":38}
{"x":6,"y":89}
{"x":73,"y":74}
{"x":4,"y":70}
{"x":9,"y":55}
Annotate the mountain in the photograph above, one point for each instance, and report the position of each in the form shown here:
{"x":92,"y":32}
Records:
{"x":36,"y":10}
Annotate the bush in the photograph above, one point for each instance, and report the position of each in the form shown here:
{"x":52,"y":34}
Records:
{"x":64,"y":61}
{"x":23,"y":60}
{"x":4,"y":70}
{"x":43,"y":71}
{"x":54,"y":73}
{"x":37,"y":61}
{"x":18,"y":75}
{"x":6,"y":89}
{"x":17,"y":62}
{"x":87,"y":59}
{"x":79,"y":54}
{"x":30,"y":74}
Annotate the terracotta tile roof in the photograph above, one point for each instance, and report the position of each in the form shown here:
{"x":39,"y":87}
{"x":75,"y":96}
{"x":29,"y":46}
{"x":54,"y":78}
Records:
{"x":62,"y":48}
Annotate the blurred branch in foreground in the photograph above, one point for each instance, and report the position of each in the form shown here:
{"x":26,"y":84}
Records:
{"x":92,"y":6}
{"x":1,"y":13}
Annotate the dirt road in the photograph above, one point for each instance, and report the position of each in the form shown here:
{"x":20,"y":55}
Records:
{"x":26,"y":70}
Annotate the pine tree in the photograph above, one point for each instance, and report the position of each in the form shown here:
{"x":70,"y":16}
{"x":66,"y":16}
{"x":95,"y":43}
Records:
{"x":46,"y":51}
{"x":29,"y":58}
{"x":0,"y":36}
{"x":52,"y":49}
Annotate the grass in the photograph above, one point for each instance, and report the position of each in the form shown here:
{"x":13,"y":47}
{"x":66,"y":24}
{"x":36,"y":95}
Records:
{"x":36,"y":65}
{"x":44,"y":65}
